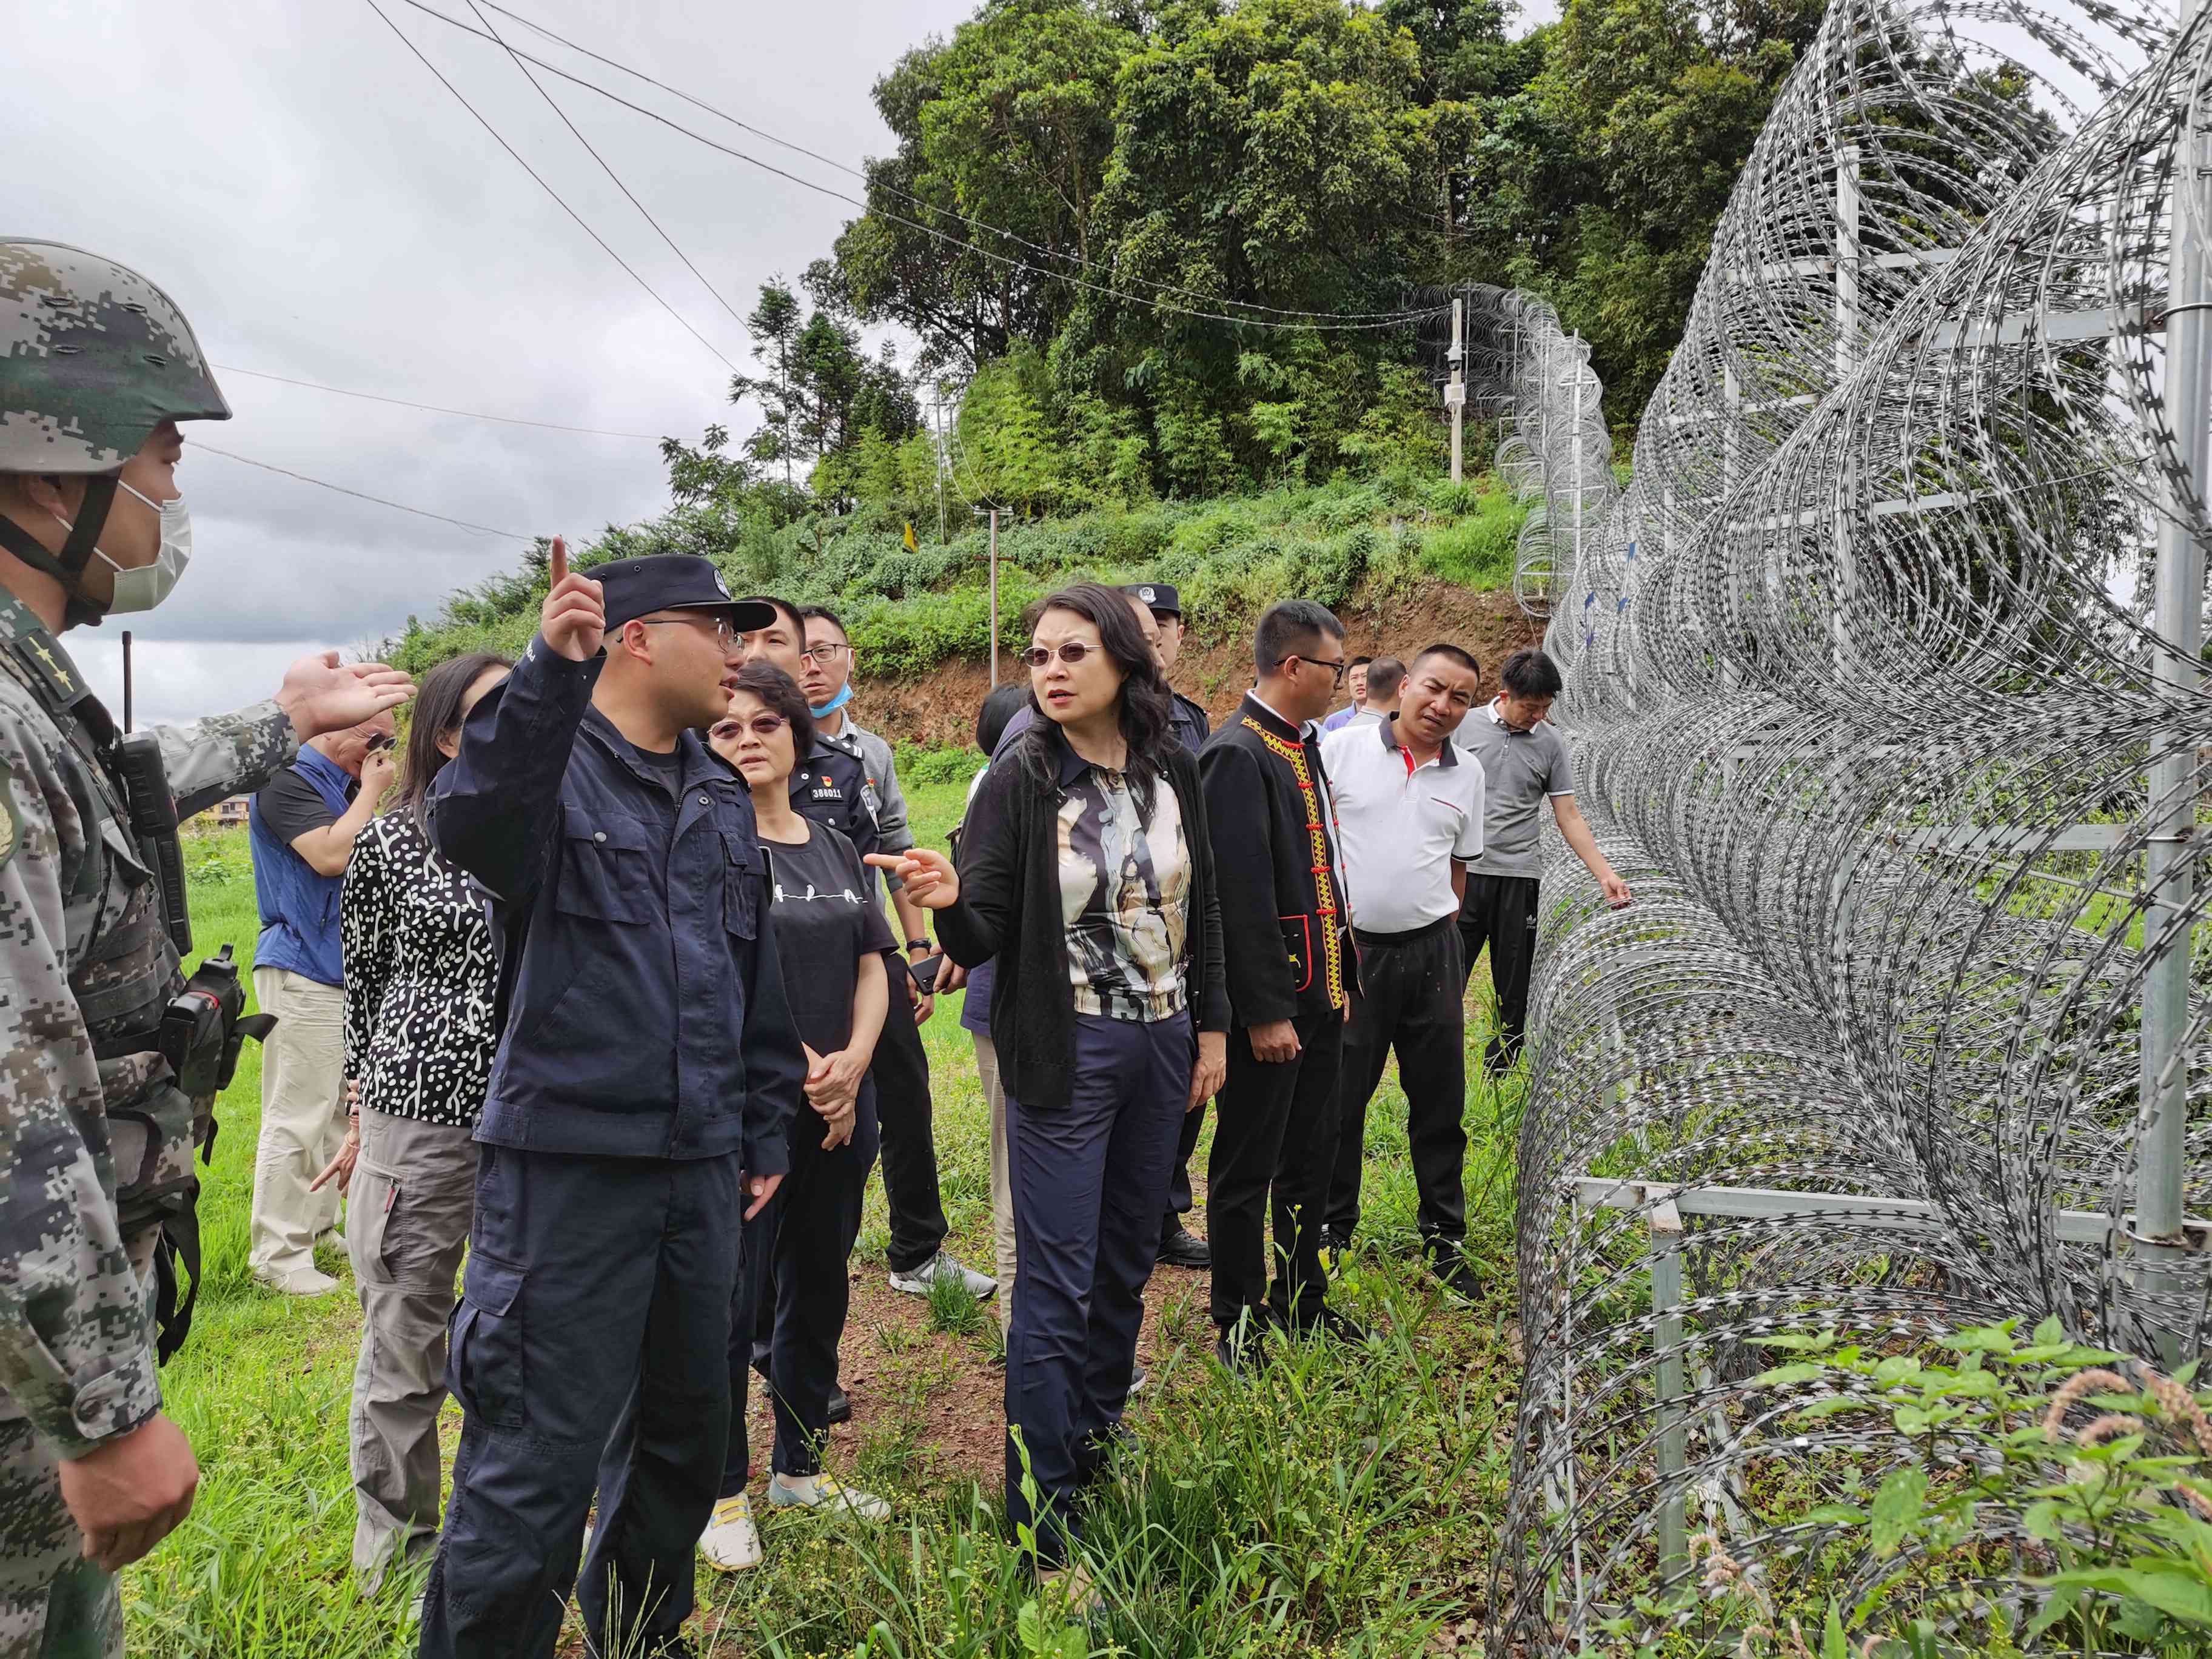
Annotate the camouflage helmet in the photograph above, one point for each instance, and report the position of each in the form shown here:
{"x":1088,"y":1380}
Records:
{"x":92,"y":357}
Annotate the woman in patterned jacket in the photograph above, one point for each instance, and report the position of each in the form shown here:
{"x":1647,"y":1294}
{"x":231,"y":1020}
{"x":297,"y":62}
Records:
{"x":420,"y":1030}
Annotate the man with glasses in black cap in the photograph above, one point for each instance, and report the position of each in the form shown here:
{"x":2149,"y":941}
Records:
{"x":640,"y":1104}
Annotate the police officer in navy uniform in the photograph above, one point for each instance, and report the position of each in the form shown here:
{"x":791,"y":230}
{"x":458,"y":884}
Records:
{"x":640,"y":1104}
{"x":1179,"y":1246}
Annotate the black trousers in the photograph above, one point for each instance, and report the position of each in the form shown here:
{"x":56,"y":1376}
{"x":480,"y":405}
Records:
{"x":1180,"y":1197}
{"x":1411,"y":986}
{"x":1501,"y":911}
{"x":586,"y":1352}
{"x":900,"y":1075}
{"x":1088,"y":1180}
{"x":1275,"y":1138}
{"x":794,"y":1293}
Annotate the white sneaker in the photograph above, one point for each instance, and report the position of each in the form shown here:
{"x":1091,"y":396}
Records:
{"x":820,"y":1491}
{"x":731,"y":1541}
{"x":943,"y":1265}
{"x":300,"y":1281}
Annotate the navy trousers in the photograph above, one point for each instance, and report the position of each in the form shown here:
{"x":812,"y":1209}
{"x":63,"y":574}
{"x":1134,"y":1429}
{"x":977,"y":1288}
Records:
{"x":586,"y":1352}
{"x":900,"y":1071}
{"x":1090,"y":1181}
{"x":794,"y":1292}
{"x":1274,"y":1149}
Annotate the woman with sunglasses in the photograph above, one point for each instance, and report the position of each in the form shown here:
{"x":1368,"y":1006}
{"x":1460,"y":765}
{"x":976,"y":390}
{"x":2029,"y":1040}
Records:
{"x":420,"y":986}
{"x":831,"y":942}
{"x":1086,"y":871}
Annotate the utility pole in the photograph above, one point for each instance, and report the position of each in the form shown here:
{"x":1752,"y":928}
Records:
{"x":1455,"y":388}
{"x":995,"y":593}
{"x":937,"y":431}
{"x":2170,"y":855}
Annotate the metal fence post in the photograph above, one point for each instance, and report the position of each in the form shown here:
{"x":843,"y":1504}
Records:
{"x":1674,"y":1439}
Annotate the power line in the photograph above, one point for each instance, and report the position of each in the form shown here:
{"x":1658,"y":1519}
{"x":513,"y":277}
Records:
{"x":536,"y":86}
{"x":547,"y":188}
{"x":324,"y":483}
{"x":1320,"y":321}
{"x":435,"y":408}
{"x":1077,"y":259}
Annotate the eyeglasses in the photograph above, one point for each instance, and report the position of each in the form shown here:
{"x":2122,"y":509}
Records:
{"x":380,"y":742}
{"x":760,"y":725}
{"x":723,"y":632}
{"x":1074,"y":651}
{"x":1338,"y":668}
{"x":825,"y":654}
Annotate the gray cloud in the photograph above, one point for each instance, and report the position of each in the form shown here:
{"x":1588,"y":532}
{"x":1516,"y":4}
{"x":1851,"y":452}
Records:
{"x":320,"y":207}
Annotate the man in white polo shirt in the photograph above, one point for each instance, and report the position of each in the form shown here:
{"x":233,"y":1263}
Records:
{"x":1409,"y":809}
{"x":1524,"y":764}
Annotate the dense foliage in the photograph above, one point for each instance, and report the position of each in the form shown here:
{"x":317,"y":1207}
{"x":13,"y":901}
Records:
{"x":910,"y":609}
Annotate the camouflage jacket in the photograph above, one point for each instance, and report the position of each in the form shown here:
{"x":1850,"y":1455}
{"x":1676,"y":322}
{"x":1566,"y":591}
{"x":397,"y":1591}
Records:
{"x":86,"y":969}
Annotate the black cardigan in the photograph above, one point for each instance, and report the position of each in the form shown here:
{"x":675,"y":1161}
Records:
{"x":1009,"y":908}
{"x":1282,"y":891}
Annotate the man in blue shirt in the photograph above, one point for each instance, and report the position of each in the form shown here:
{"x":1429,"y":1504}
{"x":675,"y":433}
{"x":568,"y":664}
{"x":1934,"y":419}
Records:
{"x":640,"y":1104}
{"x":302,"y":827}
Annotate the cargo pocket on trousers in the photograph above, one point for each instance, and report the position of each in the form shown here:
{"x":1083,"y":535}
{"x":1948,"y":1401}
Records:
{"x":368,"y":1216}
{"x":485,"y":1365}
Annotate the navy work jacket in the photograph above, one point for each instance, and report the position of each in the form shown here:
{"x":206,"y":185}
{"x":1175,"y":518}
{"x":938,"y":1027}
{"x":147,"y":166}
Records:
{"x":645,"y":1010}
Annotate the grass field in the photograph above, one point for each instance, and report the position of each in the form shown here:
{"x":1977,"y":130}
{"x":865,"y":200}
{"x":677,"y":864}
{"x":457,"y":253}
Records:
{"x":1341,"y":1502}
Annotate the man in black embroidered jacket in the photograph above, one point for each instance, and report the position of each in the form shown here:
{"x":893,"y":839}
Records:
{"x":1283,"y":931}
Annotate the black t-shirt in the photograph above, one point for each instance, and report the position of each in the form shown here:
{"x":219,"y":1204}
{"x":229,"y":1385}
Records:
{"x":291,"y":807}
{"x":668,"y":766}
{"x":825,"y":923}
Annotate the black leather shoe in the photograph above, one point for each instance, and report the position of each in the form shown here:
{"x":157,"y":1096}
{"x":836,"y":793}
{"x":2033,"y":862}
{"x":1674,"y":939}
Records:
{"x":1329,"y":1322}
{"x":1453,"y":1272}
{"x":1185,"y":1248}
{"x":840,"y":1404}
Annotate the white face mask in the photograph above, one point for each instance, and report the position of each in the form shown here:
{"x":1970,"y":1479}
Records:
{"x":144,"y":587}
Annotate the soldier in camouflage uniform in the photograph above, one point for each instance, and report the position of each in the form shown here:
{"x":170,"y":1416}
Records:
{"x":96,"y":368}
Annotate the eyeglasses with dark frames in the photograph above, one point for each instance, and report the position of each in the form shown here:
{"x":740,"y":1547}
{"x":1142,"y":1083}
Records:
{"x":825,"y":653}
{"x":1339,"y":668}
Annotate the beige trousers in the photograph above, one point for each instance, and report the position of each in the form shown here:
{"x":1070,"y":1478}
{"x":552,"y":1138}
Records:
{"x":1002,"y":1183}
{"x":303,"y":1120}
{"x":414,"y":1192}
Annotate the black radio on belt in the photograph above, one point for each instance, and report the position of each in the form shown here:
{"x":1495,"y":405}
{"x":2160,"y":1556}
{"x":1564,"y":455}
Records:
{"x":205,"y":1025}
{"x":154,"y":823}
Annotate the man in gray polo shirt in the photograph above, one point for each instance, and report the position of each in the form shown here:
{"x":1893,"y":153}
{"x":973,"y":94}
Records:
{"x":1524,"y":764}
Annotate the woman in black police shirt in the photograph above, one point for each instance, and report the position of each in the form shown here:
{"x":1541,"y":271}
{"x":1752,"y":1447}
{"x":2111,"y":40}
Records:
{"x":1086,"y":871}
{"x":831,"y":941}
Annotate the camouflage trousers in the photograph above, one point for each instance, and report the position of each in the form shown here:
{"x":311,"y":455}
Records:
{"x":54,"y":1604}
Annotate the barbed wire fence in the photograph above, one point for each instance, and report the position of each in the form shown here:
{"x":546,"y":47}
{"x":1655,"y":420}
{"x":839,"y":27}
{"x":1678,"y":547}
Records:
{"x":1883,"y":680}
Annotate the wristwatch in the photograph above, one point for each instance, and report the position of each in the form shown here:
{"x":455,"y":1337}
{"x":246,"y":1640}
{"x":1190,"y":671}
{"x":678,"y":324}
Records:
{"x":913,"y":944}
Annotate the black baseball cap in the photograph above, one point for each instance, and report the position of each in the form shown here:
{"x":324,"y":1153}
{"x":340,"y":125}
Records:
{"x":1158,"y":595}
{"x":672,"y":581}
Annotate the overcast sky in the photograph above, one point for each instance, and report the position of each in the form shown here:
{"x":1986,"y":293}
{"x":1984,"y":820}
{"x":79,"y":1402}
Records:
{"x":321,"y":208}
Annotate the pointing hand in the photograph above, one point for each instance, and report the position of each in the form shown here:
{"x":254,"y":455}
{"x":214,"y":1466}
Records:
{"x":574,"y":620}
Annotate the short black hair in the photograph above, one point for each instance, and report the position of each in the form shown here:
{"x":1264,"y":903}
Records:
{"x":790,"y":612}
{"x":1384,"y":676}
{"x":808,"y":613}
{"x":1529,"y":673}
{"x":1464,"y":658}
{"x":1289,"y":629}
{"x":1358,"y":662}
{"x":997,"y":715}
{"x":780,"y":693}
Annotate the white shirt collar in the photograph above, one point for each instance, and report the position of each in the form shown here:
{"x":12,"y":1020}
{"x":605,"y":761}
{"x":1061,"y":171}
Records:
{"x":1305,"y":731}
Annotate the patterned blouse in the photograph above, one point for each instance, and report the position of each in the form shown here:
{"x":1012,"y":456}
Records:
{"x":1124,"y":889}
{"x":420,"y":984}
